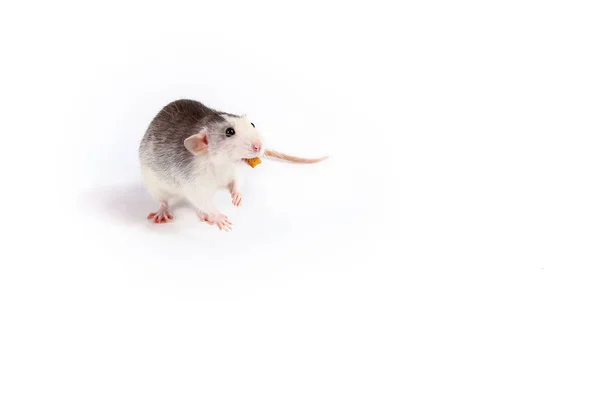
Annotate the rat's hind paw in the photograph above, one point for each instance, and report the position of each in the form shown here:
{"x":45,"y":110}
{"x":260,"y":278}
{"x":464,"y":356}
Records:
{"x":221,"y":220}
{"x":160,"y":217}
{"x":223,"y":223}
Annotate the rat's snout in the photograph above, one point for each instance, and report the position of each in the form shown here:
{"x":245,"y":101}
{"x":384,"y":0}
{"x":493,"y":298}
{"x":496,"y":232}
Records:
{"x":257,"y":146}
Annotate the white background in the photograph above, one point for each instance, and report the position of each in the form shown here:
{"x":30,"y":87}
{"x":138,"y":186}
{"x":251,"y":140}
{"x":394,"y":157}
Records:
{"x":449,"y":249}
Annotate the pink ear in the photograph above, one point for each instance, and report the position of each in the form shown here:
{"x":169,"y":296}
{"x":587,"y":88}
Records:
{"x":197,"y":143}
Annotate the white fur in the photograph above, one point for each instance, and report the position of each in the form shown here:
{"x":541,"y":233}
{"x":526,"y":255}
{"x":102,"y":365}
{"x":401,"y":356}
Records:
{"x":214,"y":170}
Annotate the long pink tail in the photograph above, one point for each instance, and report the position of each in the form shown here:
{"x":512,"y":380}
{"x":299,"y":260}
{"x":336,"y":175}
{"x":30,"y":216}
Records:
{"x":276,"y":155}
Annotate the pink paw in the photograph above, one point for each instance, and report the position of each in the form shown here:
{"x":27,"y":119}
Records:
{"x":160,"y":217}
{"x":236,"y":199}
{"x":221,"y":220}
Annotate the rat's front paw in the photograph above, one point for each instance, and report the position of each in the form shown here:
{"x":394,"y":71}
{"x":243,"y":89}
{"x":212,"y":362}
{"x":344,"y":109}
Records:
{"x":221,"y":220}
{"x":236,"y":199}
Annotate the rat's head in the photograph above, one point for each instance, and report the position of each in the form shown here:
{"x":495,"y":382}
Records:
{"x":226,"y":138}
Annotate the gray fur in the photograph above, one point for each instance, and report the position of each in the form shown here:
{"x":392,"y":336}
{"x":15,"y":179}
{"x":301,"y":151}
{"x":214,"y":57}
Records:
{"x":162,"y":148}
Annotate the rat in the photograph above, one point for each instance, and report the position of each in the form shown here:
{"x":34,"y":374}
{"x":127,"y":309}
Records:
{"x":192,"y":151}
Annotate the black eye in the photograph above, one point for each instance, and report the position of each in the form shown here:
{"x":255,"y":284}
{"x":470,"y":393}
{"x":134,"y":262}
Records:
{"x":229,"y":132}
{"x":252,"y":123}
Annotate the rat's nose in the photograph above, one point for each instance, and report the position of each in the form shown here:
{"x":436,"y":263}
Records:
{"x":257,"y":146}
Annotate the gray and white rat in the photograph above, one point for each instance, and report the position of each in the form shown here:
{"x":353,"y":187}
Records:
{"x":191,"y":151}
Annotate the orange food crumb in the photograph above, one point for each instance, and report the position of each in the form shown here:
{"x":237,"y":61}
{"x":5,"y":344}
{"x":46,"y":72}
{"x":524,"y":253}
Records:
{"x":253,"y":162}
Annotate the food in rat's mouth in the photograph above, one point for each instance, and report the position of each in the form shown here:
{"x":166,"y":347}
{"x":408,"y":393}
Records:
{"x":253,"y":162}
